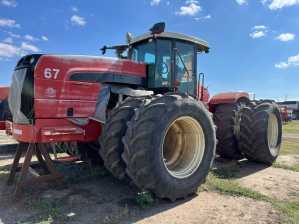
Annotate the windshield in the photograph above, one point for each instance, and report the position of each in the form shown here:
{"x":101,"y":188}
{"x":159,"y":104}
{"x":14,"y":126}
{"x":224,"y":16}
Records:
{"x":159,"y":53}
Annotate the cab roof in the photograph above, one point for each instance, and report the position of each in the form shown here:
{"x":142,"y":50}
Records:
{"x":201,"y":44}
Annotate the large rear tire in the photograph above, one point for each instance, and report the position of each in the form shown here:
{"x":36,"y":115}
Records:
{"x":261,"y":131}
{"x":170,"y":146}
{"x":227,"y":119}
{"x":112,"y":133}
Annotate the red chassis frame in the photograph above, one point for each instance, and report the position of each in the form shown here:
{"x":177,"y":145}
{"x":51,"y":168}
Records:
{"x":56,"y":130}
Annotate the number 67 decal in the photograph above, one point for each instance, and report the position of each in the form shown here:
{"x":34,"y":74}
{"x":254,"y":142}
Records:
{"x":48,"y":73}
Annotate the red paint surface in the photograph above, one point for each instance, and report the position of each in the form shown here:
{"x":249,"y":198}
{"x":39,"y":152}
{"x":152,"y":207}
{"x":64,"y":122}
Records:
{"x":81,"y":96}
{"x":231,"y":97}
{"x":50,"y":134}
{"x":66,"y":90}
{"x":206,"y":94}
{"x":34,"y":133}
{"x":67,"y":159}
{"x":87,"y":64}
{"x":2,"y":125}
{"x":283,"y":112}
{"x":58,"y":108}
{"x":4,"y":90}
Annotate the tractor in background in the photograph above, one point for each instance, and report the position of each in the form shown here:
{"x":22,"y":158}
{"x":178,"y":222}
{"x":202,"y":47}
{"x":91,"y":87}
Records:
{"x":154,"y":120}
{"x":5,"y":114}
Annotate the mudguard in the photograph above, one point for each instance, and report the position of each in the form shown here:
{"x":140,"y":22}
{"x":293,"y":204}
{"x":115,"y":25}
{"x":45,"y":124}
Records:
{"x":231,"y":97}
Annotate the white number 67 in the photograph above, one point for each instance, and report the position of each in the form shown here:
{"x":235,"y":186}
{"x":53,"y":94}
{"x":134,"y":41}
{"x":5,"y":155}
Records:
{"x":48,"y":73}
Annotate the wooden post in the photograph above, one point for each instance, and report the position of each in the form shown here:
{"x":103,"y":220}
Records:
{"x":15,"y":163}
{"x":24,"y":170}
{"x":22,"y":182}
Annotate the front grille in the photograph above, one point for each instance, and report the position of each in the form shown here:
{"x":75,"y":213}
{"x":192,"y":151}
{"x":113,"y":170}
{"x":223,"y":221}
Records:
{"x":27,"y":96}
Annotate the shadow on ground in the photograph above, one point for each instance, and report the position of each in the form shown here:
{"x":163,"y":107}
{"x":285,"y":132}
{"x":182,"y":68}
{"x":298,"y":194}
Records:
{"x":93,"y":195}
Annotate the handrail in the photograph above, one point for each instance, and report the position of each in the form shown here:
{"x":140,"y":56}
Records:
{"x":203,"y":79}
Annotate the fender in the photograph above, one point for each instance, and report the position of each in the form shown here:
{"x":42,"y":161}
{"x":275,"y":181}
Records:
{"x":231,"y":97}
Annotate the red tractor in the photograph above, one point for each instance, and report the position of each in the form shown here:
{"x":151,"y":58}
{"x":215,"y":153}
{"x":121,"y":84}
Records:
{"x":150,"y":114}
{"x":5,"y":115}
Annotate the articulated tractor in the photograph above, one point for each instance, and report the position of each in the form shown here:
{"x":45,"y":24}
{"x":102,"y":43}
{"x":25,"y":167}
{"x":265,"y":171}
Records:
{"x":148,"y":114}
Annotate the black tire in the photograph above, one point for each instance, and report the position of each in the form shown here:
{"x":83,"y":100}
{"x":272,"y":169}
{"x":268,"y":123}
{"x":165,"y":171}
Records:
{"x":254,"y":131}
{"x":226,"y":116}
{"x":296,"y":113}
{"x":112,"y":133}
{"x":144,"y":145}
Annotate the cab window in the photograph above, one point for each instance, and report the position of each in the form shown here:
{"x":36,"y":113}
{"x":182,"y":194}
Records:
{"x":181,"y":75}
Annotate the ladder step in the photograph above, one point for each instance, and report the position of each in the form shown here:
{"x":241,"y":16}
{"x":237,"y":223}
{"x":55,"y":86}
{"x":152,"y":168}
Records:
{"x":67,"y":159}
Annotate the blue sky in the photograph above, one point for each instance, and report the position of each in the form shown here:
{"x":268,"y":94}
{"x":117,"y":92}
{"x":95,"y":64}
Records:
{"x":254,"y":43}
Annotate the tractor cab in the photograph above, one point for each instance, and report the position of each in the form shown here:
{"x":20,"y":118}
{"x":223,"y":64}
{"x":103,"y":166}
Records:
{"x":171,"y":58}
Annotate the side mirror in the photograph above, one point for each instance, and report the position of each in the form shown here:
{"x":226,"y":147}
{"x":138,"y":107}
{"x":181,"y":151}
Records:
{"x":158,"y":28}
{"x":103,"y":50}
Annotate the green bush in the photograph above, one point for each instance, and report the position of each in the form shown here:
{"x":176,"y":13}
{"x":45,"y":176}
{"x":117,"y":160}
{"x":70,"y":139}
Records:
{"x":145,"y":199}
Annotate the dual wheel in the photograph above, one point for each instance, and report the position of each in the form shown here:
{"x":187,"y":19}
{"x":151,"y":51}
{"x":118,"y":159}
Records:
{"x":252,"y":130}
{"x":164,"y":144}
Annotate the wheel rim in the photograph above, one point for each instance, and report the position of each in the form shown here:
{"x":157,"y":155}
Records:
{"x":272,"y":132}
{"x":183,"y":147}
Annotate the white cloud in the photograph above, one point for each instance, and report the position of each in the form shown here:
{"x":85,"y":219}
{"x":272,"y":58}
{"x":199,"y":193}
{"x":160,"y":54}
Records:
{"x":196,"y":18}
{"x":29,"y":47}
{"x":282,"y":65}
{"x":12,"y":35}
{"x":241,"y":2}
{"x":74,"y":8}
{"x":258,"y":27}
{"x":167,"y":3}
{"x":285,"y":37}
{"x":264,"y":1}
{"x":191,"y":10}
{"x":278,"y":4}
{"x":257,"y":34}
{"x":9,"y":23}
{"x":207,"y":17}
{"x":7,"y":50}
{"x":9,"y":3}
{"x":31,"y":38}
{"x":7,"y":40}
{"x":45,"y":38}
{"x":294,"y":61}
{"x":155,"y":2}
{"x":77,"y":20}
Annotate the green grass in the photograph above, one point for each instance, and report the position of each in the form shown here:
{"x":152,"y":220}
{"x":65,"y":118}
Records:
{"x":230,"y":187}
{"x":292,"y":128}
{"x":292,"y":211}
{"x":45,"y":211}
{"x":4,"y":175}
{"x":223,"y":181}
{"x":289,"y":146}
{"x":287,"y":167}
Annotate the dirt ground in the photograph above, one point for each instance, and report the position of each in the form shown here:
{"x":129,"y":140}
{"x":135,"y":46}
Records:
{"x":93,"y":195}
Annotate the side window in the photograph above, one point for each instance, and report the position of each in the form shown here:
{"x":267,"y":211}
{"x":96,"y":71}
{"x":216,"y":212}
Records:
{"x":144,"y":53}
{"x":181,"y":75}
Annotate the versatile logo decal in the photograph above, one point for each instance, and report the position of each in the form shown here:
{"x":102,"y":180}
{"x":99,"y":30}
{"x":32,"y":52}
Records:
{"x":50,"y":92}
